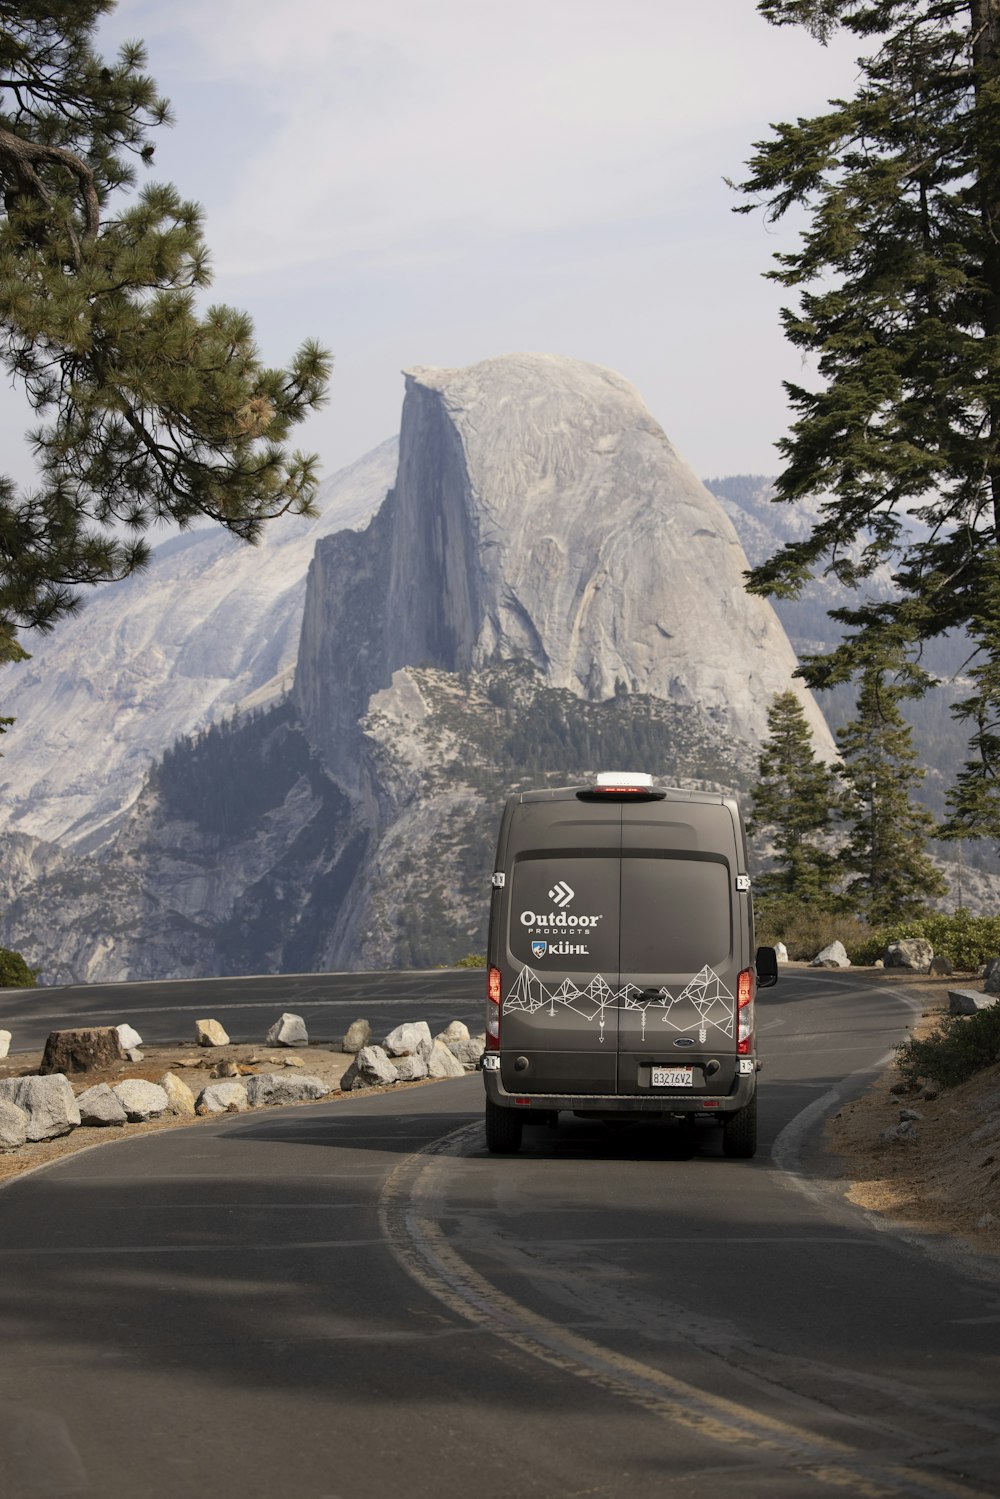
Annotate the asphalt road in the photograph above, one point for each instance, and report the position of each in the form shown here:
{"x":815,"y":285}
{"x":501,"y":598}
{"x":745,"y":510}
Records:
{"x":165,"y":1011}
{"x":354,"y":1300}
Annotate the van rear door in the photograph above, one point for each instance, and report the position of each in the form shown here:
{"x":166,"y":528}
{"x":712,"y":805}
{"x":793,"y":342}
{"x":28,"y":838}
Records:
{"x":679,"y":948}
{"x":560,"y":1014}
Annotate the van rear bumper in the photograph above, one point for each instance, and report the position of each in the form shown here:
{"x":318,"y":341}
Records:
{"x":659,"y":1104}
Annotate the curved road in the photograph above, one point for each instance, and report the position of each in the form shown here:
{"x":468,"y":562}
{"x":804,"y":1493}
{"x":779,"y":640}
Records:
{"x":354,"y":1300}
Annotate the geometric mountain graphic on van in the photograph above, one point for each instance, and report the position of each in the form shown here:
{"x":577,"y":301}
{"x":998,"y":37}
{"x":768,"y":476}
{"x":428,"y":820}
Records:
{"x":703,"y":1004}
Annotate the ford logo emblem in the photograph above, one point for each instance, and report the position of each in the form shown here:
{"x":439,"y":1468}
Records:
{"x":684,"y":1041}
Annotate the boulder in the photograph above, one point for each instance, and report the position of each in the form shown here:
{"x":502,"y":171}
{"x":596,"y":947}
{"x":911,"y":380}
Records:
{"x":210,"y":1033}
{"x":129,"y":1037}
{"x":268,"y":1088}
{"x":13,"y":1126}
{"x":47,"y":1101}
{"x":781,"y":952}
{"x":288,"y":1030}
{"x":443,"y":1062}
{"x":991,"y":976}
{"x":968,"y":1001}
{"x":413,"y":1038}
{"x":179,"y":1095}
{"x":5,"y":1039}
{"x":99,"y":1105}
{"x":940,"y":968}
{"x":468,"y":1052}
{"x":82,"y":1050}
{"x":456,"y":1030}
{"x":229,"y":1097}
{"x":140,"y":1100}
{"x":358,"y":1035}
{"x":410,"y":1069}
{"x":907,"y":1130}
{"x":834,"y":955}
{"x":914,"y":953}
{"x":374,"y":1068}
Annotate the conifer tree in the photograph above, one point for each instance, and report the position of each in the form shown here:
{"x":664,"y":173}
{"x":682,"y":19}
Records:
{"x":974,"y":803}
{"x":793,"y":804}
{"x":148,"y":407}
{"x":894,"y":877}
{"x":897,"y":279}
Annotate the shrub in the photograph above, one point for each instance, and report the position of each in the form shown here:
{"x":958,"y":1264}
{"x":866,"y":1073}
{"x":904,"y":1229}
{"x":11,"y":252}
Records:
{"x":966,"y":941}
{"x":804,"y":930}
{"x":962,"y":1045}
{"x":14,"y":971}
{"x":471,"y":960}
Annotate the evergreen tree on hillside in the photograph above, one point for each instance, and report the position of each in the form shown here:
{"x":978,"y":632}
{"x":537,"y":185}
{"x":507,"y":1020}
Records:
{"x":974,"y":804}
{"x":793,"y":806}
{"x":148,"y":407}
{"x":897,"y":279}
{"x":887,"y":832}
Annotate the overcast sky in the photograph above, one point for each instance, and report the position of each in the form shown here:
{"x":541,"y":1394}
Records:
{"x":436,"y":182}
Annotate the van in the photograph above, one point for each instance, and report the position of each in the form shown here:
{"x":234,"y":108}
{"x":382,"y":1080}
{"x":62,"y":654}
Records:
{"x":621,"y":963}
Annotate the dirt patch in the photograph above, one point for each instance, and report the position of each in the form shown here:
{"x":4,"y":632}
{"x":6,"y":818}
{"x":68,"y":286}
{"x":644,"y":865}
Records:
{"x":195,"y":1065}
{"x":946,"y":1179}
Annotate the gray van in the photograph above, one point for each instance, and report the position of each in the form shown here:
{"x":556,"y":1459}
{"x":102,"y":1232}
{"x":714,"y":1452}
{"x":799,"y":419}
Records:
{"x":622,"y":970}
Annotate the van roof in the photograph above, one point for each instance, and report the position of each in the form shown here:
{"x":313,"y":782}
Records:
{"x":667,"y":793}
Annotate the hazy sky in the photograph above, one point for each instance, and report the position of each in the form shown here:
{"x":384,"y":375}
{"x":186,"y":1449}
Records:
{"x":438,"y":181}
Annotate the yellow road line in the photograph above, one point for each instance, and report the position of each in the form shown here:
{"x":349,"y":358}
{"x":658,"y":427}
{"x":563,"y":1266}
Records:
{"x":408,"y":1221}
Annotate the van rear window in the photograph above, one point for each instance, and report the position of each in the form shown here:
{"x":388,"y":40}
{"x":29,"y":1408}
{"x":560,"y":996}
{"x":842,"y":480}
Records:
{"x":564,"y":913}
{"x":675,"y":914}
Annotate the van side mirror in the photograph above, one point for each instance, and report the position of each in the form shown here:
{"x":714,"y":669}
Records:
{"x":766,"y":964}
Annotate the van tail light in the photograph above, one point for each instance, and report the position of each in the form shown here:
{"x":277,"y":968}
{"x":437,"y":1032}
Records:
{"x":744,"y":1013}
{"x":493,"y":996}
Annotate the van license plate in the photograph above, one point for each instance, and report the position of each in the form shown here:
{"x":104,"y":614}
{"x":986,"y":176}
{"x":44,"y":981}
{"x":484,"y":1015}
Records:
{"x":671,"y":1077}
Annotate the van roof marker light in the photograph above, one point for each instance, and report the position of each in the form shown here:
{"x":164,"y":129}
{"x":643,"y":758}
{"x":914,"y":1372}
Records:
{"x":623,"y":780}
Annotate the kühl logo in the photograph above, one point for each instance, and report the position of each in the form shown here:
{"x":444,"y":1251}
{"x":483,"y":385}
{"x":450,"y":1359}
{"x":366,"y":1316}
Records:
{"x":561,"y":893}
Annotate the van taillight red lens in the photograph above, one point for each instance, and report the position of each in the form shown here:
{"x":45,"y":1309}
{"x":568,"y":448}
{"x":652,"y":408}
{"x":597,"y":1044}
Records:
{"x":744,"y":1012}
{"x":493,"y":996}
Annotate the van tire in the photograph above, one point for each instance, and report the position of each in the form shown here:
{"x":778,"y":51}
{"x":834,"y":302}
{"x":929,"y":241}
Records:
{"x":739,"y":1132}
{"x":503,"y":1130}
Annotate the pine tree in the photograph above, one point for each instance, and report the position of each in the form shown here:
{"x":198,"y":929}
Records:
{"x":974,"y":804}
{"x":148,"y":407}
{"x":793,"y":803}
{"x":887,"y":832}
{"x":898,"y":285}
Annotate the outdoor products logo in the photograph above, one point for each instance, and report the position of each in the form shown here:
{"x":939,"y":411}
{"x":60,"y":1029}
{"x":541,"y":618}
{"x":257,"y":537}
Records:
{"x":561,"y":893}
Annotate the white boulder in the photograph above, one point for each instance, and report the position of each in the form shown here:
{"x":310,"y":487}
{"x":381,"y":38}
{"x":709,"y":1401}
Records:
{"x":227,"y":1097}
{"x":833,"y":956}
{"x":5,"y":1039}
{"x":456,"y":1030}
{"x":410,"y":1069}
{"x":48,"y":1103}
{"x":413,"y":1038}
{"x":140,"y":1099}
{"x":179,"y":1095}
{"x":288,"y":1030}
{"x":13,"y":1126}
{"x":914,"y":953}
{"x":210,"y":1033}
{"x":99,"y":1105}
{"x":781,"y":952}
{"x":266,"y":1088}
{"x":129,"y":1037}
{"x":443,"y":1062}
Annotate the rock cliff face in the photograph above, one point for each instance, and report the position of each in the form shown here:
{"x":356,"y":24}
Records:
{"x":539,"y":513}
{"x":545,"y":590}
{"x":211,"y":624}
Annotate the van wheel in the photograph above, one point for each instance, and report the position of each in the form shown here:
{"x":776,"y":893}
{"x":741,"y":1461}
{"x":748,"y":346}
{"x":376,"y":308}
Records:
{"x":739,"y":1132}
{"x":503,"y":1130}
